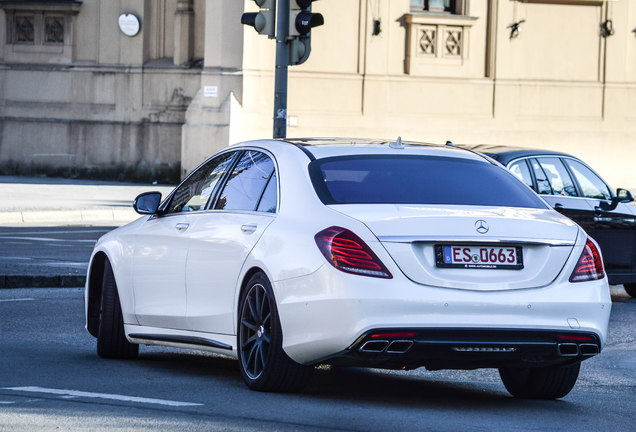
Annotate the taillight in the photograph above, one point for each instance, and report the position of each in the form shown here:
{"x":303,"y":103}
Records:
{"x":590,"y":264}
{"x":349,"y":253}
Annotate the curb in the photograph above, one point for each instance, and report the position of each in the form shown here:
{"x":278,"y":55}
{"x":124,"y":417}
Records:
{"x":85,"y":216}
{"x":30,"y":281}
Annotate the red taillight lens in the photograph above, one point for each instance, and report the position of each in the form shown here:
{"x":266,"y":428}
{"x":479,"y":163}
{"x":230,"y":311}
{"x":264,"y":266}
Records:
{"x":348,"y":253}
{"x":590,"y":264}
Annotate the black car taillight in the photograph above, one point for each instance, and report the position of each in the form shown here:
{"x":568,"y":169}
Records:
{"x":349,"y":253}
{"x":590,"y":264}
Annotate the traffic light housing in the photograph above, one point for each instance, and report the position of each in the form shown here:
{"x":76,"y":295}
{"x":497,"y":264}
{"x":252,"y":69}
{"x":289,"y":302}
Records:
{"x":264,"y":22}
{"x":301,"y":21}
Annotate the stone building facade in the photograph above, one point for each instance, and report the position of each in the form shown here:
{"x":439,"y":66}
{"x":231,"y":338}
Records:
{"x":79,"y":96}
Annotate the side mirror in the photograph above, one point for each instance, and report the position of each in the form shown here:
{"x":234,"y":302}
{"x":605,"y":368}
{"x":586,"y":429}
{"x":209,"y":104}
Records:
{"x":624,"y":196}
{"x":147,"y":203}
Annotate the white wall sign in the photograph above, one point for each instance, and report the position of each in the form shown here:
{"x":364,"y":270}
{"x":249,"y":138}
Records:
{"x":129,"y":24}
{"x":210,"y":91}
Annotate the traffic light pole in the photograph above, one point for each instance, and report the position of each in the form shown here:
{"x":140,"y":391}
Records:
{"x":282,"y":62}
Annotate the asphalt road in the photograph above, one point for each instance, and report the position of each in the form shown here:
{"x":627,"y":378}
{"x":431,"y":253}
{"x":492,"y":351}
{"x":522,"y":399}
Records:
{"x":46,"y":256}
{"x":52,"y":379}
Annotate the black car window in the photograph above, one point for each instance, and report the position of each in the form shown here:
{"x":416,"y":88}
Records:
{"x":522,"y":172}
{"x":269,"y":200}
{"x":195,"y":192}
{"x":543,"y":184}
{"x":558,"y":176}
{"x":417,"y":180}
{"x":245,"y":186}
{"x":591,"y":185}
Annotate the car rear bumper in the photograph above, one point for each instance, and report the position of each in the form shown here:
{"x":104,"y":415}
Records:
{"x":326,"y":315}
{"x":467,"y":348}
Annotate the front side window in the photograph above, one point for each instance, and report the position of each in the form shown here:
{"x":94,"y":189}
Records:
{"x":591,"y":184}
{"x":417,"y":180}
{"x":246,"y":184}
{"x":195,"y":192}
{"x":557,"y":176}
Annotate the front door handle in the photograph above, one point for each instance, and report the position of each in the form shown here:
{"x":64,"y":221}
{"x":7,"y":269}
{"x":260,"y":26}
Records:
{"x":250,"y":228}
{"x":182,"y":226}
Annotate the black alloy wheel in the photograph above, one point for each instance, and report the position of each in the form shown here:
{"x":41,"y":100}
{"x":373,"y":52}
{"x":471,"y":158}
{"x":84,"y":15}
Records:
{"x":256,"y":327}
{"x":263,"y":363}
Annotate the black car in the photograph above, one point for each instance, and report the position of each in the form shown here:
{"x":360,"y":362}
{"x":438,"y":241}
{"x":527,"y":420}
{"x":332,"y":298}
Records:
{"x":575,"y":190}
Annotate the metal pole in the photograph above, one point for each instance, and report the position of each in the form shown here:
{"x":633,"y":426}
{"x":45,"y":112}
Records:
{"x":282,"y":61}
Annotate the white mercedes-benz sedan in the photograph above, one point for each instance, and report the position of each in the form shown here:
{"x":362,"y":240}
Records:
{"x":293,"y":253}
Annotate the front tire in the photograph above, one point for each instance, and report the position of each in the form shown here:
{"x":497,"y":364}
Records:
{"x":551,"y":382}
{"x":111,"y":339}
{"x":630,"y":288}
{"x":263,"y":363}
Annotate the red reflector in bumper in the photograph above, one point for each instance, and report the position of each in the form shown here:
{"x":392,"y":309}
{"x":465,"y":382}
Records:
{"x":577,"y":338}
{"x":393,"y":335}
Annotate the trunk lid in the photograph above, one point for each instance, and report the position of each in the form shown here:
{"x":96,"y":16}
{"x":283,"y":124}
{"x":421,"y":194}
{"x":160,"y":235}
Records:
{"x":410,"y":234}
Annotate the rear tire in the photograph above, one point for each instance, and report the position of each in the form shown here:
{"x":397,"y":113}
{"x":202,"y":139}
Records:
{"x":630,"y":288}
{"x":111,"y":339}
{"x":263,"y":363}
{"x":551,"y":382}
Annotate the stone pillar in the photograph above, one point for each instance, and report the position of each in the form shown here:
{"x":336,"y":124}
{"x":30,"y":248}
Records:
{"x":183,"y":32}
{"x":216,"y":107}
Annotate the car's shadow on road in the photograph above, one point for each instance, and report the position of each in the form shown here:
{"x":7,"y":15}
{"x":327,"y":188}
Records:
{"x":364,"y":386}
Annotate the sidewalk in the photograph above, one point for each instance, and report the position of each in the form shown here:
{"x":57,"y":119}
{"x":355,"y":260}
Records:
{"x":33,"y":203}
{"x":43,"y":201}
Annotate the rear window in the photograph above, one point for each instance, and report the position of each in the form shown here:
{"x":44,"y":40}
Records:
{"x":418,"y":180}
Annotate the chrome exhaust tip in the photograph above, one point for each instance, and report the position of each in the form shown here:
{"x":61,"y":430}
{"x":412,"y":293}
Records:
{"x":588,"y":349}
{"x":399,"y":346}
{"x":374,"y":346}
{"x":568,"y":349}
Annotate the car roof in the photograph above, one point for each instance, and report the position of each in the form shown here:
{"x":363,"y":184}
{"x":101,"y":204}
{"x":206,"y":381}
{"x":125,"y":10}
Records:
{"x":317,"y":148}
{"x":504,"y":154}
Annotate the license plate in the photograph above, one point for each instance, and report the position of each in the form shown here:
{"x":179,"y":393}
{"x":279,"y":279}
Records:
{"x":479,"y":257}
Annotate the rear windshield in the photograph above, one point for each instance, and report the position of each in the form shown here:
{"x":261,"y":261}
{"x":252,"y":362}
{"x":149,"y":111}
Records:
{"x":418,"y":180}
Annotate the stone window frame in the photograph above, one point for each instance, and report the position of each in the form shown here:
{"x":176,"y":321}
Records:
{"x":436,"y":40}
{"x":43,"y":45}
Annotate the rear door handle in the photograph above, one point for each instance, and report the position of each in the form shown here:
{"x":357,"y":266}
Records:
{"x":182,"y":226}
{"x":250,"y":228}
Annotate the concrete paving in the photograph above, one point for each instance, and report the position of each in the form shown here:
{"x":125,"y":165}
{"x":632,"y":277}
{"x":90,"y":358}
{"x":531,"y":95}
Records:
{"x":41,"y":201}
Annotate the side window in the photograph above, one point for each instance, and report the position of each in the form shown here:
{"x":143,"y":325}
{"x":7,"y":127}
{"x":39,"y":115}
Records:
{"x":195,"y":192}
{"x":522,"y":172}
{"x":245,"y":186}
{"x":558,"y":176}
{"x":543,"y":185}
{"x":591,"y":185}
{"x":269,"y":200}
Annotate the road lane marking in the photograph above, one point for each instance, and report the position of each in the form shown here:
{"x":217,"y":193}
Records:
{"x":58,"y":232}
{"x":18,"y":299}
{"x":49,"y":239}
{"x":75,"y":393}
